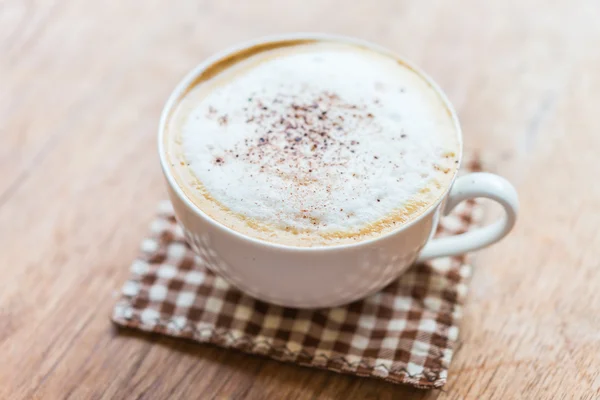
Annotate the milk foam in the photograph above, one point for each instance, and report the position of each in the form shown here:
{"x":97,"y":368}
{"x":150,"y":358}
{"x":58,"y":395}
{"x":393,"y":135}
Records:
{"x":324,"y":142}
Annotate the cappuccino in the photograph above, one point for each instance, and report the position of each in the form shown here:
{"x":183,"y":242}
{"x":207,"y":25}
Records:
{"x":312,"y":143}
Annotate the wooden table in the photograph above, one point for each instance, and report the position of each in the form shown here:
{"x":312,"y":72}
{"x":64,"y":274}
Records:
{"x":82,"y":85}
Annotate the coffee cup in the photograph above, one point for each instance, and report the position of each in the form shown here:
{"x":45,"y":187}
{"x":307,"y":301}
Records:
{"x":314,"y":276}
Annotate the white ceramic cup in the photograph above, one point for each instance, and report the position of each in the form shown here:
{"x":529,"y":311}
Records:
{"x":309,"y":277}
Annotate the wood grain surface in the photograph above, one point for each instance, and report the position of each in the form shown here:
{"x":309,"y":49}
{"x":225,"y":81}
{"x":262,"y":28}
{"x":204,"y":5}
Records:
{"x":82,"y":84}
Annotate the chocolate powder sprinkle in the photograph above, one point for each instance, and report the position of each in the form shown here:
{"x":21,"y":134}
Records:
{"x":296,"y":138}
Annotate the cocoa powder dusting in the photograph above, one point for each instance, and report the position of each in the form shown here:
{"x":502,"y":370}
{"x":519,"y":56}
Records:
{"x":299,"y":134}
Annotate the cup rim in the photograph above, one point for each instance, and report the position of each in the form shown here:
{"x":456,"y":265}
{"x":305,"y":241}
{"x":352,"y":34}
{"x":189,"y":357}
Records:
{"x":190,"y":77}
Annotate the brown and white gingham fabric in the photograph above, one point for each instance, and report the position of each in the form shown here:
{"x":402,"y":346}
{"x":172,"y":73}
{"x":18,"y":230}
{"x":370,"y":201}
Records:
{"x":403,"y":334}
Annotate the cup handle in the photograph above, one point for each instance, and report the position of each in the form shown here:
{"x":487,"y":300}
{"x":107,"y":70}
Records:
{"x":478,"y":184}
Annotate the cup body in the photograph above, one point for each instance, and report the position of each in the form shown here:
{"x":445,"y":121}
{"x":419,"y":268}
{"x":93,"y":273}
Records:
{"x":303,"y":277}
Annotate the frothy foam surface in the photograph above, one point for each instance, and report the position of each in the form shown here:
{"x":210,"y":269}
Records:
{"x":313,"y":144}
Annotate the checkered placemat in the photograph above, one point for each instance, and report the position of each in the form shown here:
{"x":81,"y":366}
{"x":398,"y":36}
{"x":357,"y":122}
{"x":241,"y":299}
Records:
{"x":403,"y":334}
